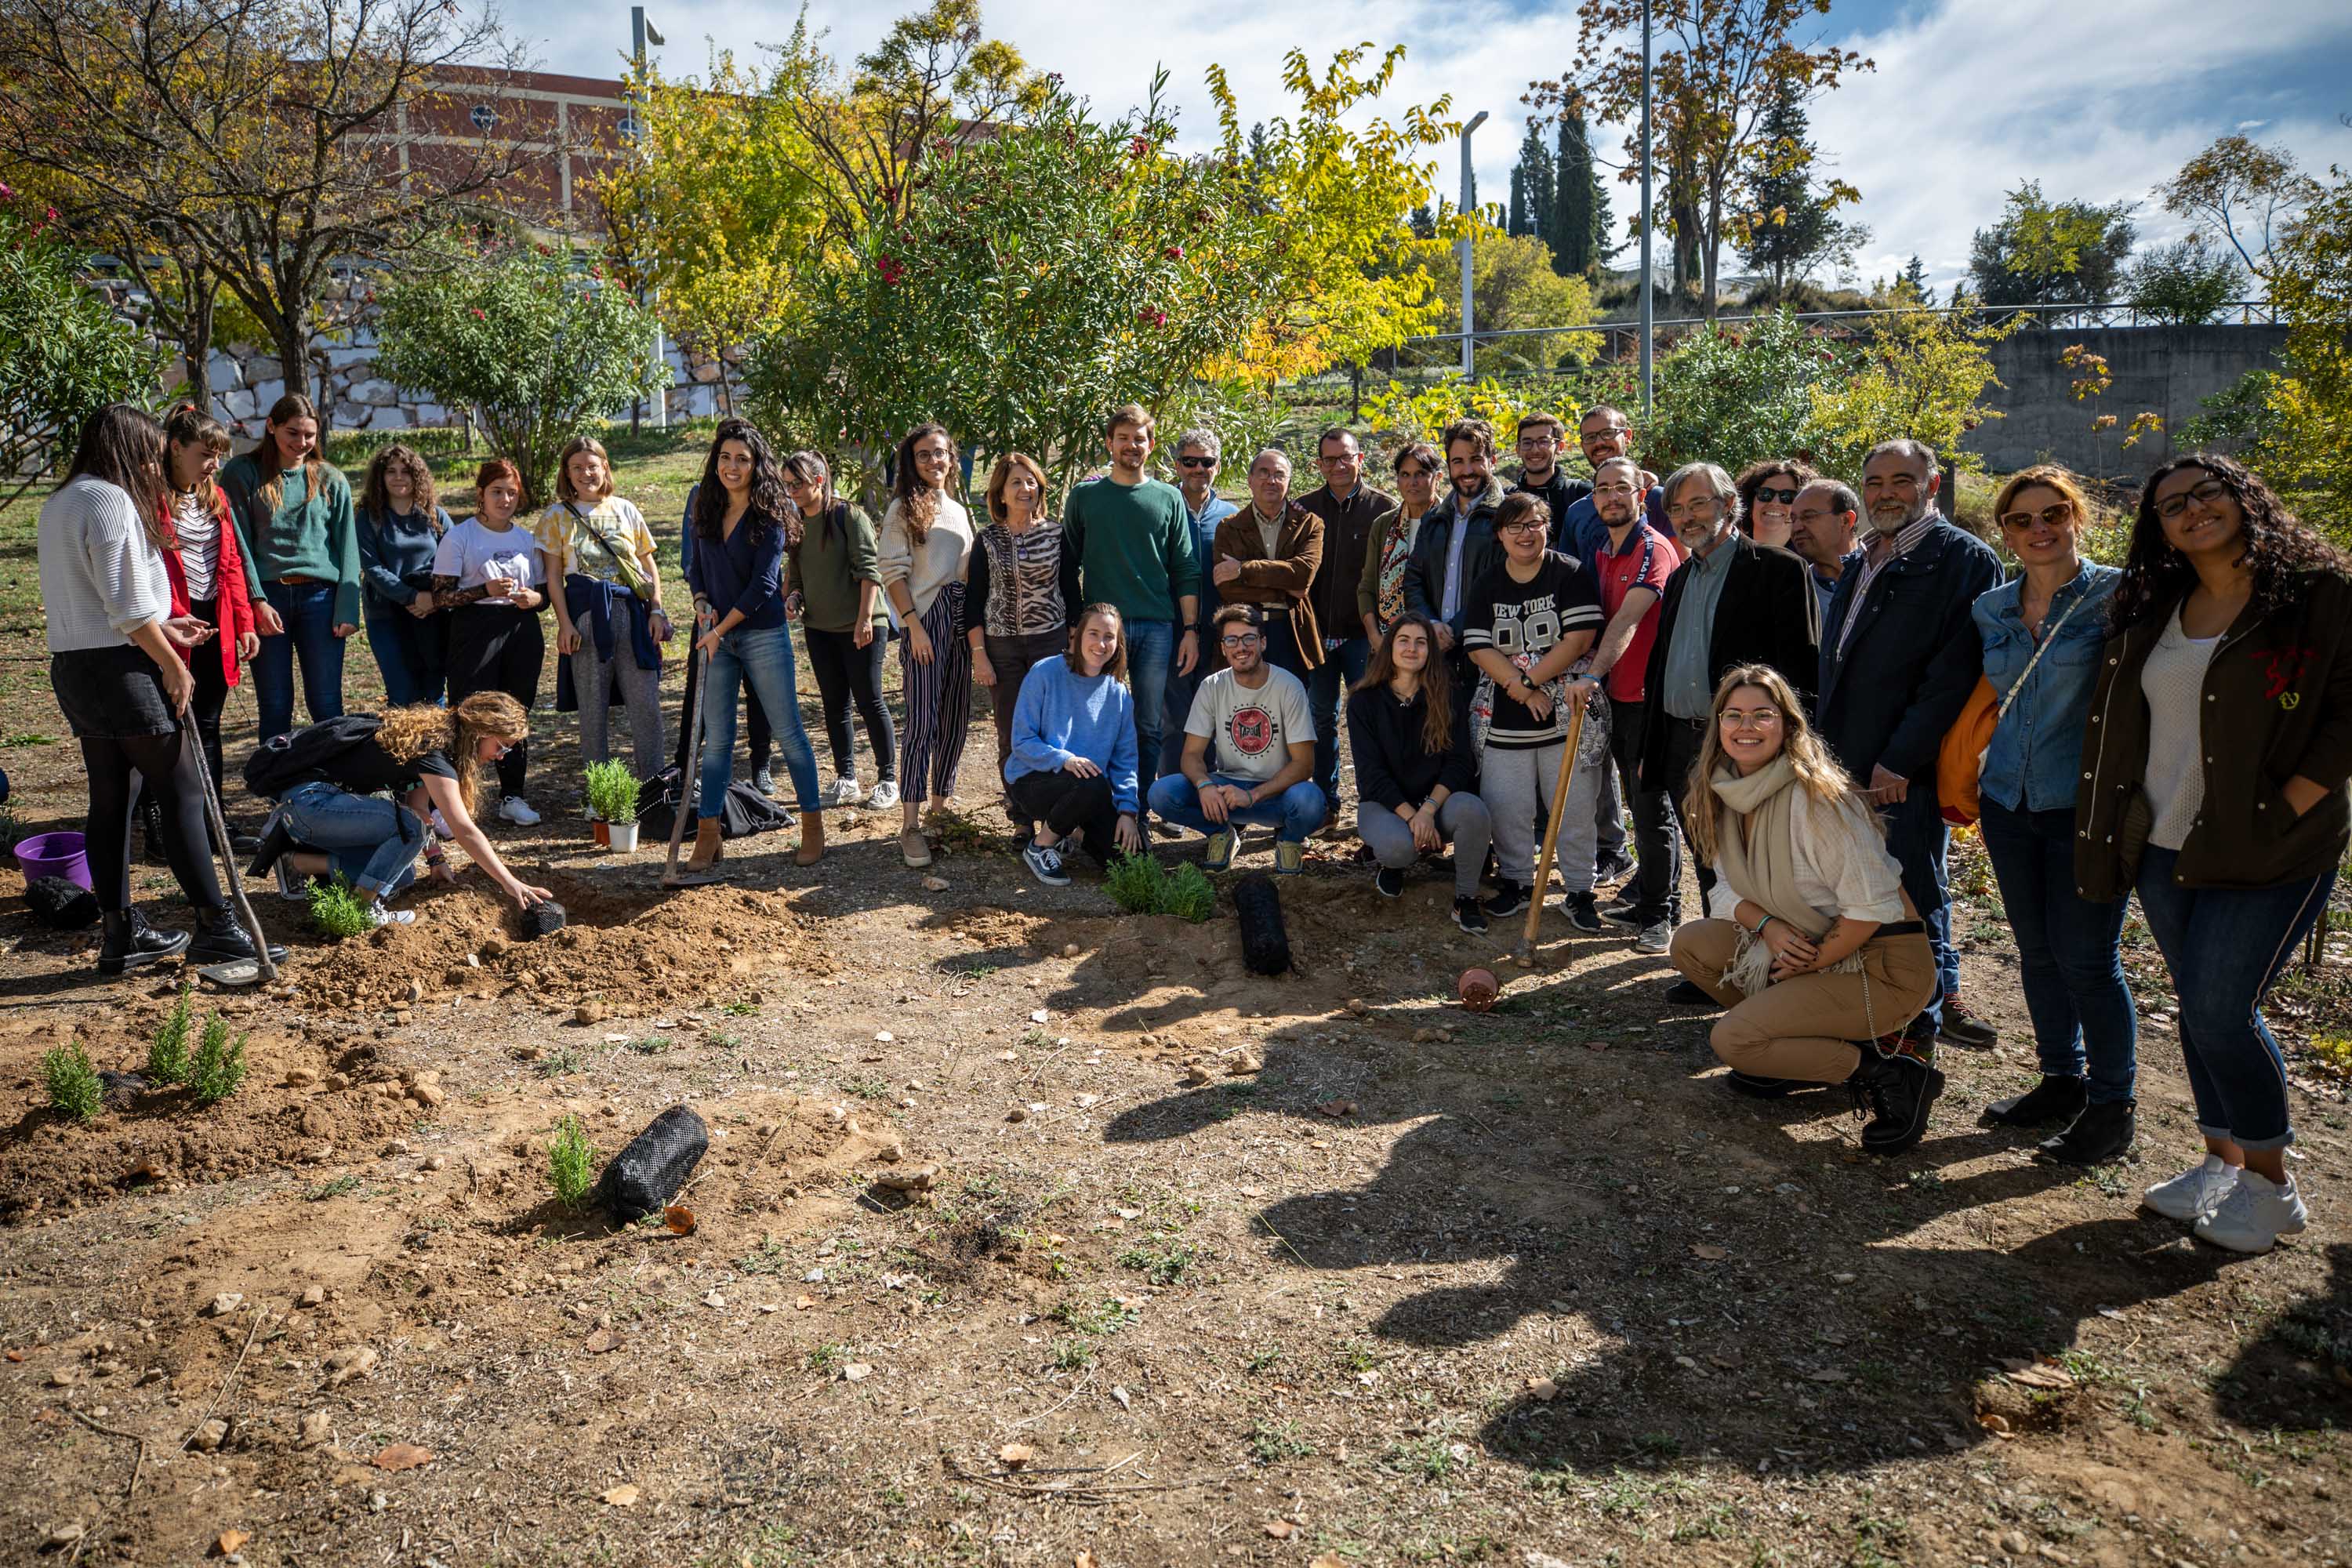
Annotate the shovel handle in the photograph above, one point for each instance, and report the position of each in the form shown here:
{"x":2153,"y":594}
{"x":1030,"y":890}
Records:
{"x":1551,"y":829}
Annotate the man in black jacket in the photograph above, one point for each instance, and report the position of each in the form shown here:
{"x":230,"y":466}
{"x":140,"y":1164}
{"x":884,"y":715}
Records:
{"x":1456,"y":545}
{"x":1899,"y":656}
{"x":1349,"y":508}
{"x":1732,"y":601}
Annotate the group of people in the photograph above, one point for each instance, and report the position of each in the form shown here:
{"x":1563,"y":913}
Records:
{"x":1765,"y":672}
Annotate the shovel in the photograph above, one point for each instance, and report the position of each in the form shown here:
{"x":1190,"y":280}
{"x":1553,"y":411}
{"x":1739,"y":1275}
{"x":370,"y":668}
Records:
{"x":241,"y":971}
{"x":1525,"y":956}
{"x":692,"y":772}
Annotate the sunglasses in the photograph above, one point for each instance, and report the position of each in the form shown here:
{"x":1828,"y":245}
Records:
{"x":1782,"y":497}
{"x":2056,"y":515}
{"x":1196,"y":462}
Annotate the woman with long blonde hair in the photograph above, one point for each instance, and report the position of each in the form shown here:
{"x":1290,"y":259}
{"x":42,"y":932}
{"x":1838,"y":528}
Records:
{"x":427,"y":758}
{"x":1825,"y":959}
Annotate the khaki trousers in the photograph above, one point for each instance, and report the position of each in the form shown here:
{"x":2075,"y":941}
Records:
{"x":1799,"y":1028}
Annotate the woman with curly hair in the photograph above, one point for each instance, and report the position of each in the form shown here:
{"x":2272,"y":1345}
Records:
{"x":1824,"y":948}
{"x":400,"y":526}
{"x":2212,"y":786}
{"x":426,"y":758}
{"x":925,"y":555}
{"x":1767,"y":496}
{"x":744,"y":522}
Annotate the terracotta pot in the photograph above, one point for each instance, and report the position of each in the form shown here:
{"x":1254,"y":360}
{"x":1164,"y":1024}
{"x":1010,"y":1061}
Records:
{"x":602,"y":833}
{"x":1478,"y":989}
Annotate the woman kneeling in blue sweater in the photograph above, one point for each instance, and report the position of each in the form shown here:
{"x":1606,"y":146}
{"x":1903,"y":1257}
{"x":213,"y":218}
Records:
{"x":1072,"y":767}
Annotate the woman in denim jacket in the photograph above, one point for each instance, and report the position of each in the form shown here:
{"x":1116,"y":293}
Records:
{"x":2042,"y":632}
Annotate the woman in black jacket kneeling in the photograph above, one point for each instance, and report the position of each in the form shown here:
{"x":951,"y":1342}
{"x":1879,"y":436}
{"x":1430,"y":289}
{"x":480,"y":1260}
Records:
{"x":1410,"y":740}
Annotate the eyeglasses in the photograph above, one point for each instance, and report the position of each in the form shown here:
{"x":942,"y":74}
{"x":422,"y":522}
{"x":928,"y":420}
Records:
{"x":1238,"y":639}
{"x":1530,"y":526}
{"x":2204,"y":494}
{"x":1811,"y":514}
{"x":2056,"y":515}
{"x":1619,"y":489}
{"x":1693,"y":509}
{"x":1542,"y":440}
{"x":1748,"y":718}
{"x":1782,"y":497}
{"x":1196,"y":462}
{"x":1587,"y":437}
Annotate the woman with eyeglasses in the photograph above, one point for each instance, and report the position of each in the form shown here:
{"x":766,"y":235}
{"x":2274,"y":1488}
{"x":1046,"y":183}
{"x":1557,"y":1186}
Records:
{"x":2042,"y":632}
{"x":2213,"y":786}
{"x":925,"y":554}
{"x":363,"y":813}
{"x":1768,"y":495}
{"x":1825,"y":959}
{"x":1379,"y":596}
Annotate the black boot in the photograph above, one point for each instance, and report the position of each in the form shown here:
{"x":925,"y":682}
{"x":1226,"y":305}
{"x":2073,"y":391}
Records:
{"x":128,"y":941}
{"x":151,"y":830}
{"x":2103,"y":1132}
{"x":1756,"y":1087}
{"x":1898,"y":1089}
{"x":220,"y":939}
{"x":2053,"y":1098}
{"x":277,"y":839}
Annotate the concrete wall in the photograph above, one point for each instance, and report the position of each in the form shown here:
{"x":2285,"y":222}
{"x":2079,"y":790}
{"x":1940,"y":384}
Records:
{"x":2165,"y":371}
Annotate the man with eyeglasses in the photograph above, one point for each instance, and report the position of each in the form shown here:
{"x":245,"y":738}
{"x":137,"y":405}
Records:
{"x":1268,"y":555}
{"x":1602,"y":434}
{"x":1732,"y":601}
{"x":1541,"y":438}
{"x":1197,"y":454}
{"x":1352,"y":512}
{"x":1457,"y":547}
{"x":1249,"y":750}
{"x":1900,"y":653}
{"x":1822,"y":521}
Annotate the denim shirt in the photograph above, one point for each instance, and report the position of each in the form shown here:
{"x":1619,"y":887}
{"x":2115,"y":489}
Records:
{"x":2035,"y":761}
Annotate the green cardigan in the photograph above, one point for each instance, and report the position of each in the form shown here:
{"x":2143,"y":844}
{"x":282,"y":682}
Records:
{"x":830,"y":563}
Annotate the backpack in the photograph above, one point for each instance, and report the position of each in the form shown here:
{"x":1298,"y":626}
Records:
{"x":282,"y":762}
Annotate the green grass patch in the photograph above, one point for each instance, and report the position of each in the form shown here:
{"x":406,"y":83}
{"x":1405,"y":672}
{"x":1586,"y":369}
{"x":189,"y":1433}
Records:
{"x":1270,"y":1442}
{"x":1141,"y":885}
{"x":72,"y":1081}
{"x":334,"y":1188}
{"x":1107,"y":1315}
{"x":1162,"y":1261}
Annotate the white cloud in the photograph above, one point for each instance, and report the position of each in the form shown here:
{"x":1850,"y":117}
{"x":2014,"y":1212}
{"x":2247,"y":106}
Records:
{"x":2096,"y":98}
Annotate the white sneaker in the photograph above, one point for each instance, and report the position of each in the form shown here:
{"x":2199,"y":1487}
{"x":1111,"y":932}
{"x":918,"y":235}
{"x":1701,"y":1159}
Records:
{"x":885,"y":795}
{"x":2254,"y":1214}
{"x":378,"y":915}
{"x":845,"y":791}
{"x":517,"y":810}
{"x":2191,"y":1195}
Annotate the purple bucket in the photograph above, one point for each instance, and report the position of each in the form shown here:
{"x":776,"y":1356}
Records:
{"x":54,"y":855}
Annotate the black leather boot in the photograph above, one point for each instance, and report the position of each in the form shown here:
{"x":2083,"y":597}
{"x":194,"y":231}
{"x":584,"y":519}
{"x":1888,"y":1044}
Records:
{"x":127,"y":942}
{"x":2058,"y":1099}
{"x":1898,"y":1089}
{"x":277,"y":839}
{"x":220,"y":939}
{"x":2103,"y":1132}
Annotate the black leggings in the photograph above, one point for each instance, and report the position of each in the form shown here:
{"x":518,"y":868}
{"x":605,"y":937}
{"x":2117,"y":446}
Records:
{"x":165,"y":767}
{"x":494,"y":647}
{"x":212,"y":692}
{"x":844,"y":671}
{"x":1068,"y":804}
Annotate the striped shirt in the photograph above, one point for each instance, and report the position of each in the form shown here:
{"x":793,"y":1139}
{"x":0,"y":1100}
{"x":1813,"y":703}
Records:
{"x":102,"y":577}
{"x":199,"y":534}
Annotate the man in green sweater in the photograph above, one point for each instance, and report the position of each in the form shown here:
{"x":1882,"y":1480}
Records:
{"x":1132,"y":535}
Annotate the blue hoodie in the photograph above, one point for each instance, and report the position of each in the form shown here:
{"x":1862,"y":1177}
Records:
{"x":1063,"y":715}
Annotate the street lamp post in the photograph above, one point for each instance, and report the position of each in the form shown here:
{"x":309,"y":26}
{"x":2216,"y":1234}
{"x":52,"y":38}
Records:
{"x":642,"y":32}
{"x":1461,"y":247}
{"x":1645,"y":215}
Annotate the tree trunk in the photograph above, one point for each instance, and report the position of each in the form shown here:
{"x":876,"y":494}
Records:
{"x":196,"y":335}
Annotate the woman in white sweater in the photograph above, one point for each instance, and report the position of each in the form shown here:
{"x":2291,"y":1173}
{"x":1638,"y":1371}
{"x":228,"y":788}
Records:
{"x":1825,"y":959}
{"x":117,"y":663}
{"x":924,"y":551}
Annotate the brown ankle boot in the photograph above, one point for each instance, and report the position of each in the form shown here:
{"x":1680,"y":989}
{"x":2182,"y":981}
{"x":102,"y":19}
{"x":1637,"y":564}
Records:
{"x":812,"y":848}
{"x":707,"y":849}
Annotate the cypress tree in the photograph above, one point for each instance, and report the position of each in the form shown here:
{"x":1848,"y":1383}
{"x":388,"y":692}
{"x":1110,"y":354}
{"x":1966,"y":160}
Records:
{"x":1577,"y":221}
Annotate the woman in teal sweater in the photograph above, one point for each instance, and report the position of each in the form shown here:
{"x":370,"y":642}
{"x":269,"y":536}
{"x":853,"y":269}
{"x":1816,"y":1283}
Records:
{"x":301,"y":547}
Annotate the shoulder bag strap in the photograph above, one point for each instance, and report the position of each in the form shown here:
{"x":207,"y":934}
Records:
{"x":2027,"y":673}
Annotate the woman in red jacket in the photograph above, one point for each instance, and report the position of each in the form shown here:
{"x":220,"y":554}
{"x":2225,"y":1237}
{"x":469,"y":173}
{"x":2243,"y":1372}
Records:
{"x":207,"y":574}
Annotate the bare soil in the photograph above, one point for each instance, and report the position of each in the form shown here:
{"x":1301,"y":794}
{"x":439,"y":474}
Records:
{"x":1323,"y":1270}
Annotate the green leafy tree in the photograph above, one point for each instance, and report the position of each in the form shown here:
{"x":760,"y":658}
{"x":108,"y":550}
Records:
{"x":1534,"y":181}
{"x":1792,"y":225}
{"x":63,"y":353}
{"x":2248,"y":193}
{"x":2051,"y":253}
{"x":1915,"y":282}
{"x":1919,"y":373}
{"x":1513,"y":285}
{"x":1579,"y":226}
{"x":1735,"y":394}
{"x":542,"y":346}
{"x":2186,"y":282}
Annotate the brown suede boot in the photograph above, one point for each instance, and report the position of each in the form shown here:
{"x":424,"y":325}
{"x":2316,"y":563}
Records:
{"x":812,"y":848}
{"x":702,"y":866}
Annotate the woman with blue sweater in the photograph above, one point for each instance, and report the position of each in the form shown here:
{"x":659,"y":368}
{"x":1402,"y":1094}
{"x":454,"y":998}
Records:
{"x":400,"y":526}
{"x":2042,"y":632}
{"x":744,"y":522}
{"x":1073,"y":760}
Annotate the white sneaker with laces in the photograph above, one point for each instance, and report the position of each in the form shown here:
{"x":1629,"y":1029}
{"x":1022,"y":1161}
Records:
{"x":845,"y":791}
{"x":378,"y":915}
{"x":2254,"y":1214}
{"x":2191,"y":1195}
{"x":885,"y":795}
{"x":517,"y":810}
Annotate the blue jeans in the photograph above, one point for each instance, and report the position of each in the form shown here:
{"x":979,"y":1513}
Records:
{"x":1293,"y":815}
{"x":412,"y":654}
{"x":1326,"y":690}
{"x":371,"y":841}
{"x":309,"y":611}
{"x":1918,"y":838}
{"x":764,"y":658}
{"x":2068,"y":959}
{"x":2224,"y":947}
{"x":1151,"y":654}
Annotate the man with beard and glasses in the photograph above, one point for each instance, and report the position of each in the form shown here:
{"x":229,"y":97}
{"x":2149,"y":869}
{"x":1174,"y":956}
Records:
{"x":1731,"y":601}
{"x":1899,"y":656}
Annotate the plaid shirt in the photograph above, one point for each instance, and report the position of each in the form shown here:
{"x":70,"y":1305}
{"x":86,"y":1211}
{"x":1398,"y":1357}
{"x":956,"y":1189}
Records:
{"x":1874,"y":557}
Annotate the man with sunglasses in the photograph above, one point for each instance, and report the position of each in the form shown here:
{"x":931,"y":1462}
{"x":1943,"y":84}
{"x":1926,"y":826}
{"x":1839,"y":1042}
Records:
{"x":1899,"y":656}
{"x":1352,"y":512}
{"x":1249,"y":747}
{"x":1198,"y":455}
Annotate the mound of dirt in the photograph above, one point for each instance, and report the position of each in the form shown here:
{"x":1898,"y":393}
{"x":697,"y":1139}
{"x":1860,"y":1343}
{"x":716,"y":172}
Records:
{"x":642,"y":945}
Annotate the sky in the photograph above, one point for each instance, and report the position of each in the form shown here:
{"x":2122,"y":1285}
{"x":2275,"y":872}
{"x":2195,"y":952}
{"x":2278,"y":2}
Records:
{"x":2098,"y":100}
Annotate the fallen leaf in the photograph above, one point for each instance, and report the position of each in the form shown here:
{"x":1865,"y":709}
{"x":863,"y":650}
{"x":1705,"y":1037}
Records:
{"x":1997,"y":1424}
{"x":1327,"y":1560}
{"x":803,"y":1302}
{"x":1543,"y":1388}
{"x":624,"y":1496}
{"x":1279,"y":1528}
{"x":403,"y":1456}
{"x":600,"y":1342}
{"x":16,"y":1355}
{"x":714,"y":1299}
{"x":856,"y":1372}
{"x":1085,"y":1559}
{"x":1015,"y":1455}
{"x":231,"y":1541}
{"x":680,"y":1218}
{"x":2040,"y":1374}
{"x":1709,"y":1251}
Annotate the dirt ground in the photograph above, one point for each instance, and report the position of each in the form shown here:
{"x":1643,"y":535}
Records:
{"x":1318,"y":1270}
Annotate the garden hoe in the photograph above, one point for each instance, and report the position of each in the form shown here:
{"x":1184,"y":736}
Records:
{"x":1525,"y":956}
{"x":241,"y":971}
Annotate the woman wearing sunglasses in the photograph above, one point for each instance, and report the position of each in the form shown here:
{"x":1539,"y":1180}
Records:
{"x":2213,"y":787}
{"x":1768,"y":495}
{"x":2042,"y":632}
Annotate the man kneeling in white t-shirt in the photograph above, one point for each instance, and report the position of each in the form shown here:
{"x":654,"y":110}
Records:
{"x":1264,"y":739}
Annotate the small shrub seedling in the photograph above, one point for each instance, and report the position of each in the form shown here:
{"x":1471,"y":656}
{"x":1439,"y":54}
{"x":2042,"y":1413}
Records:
{"x":219,"y":1064}
{"x":72,"y":1081}
{"x":337,"y":908}
{"x":167,"y":1053}
{"x":570,"y":1163}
